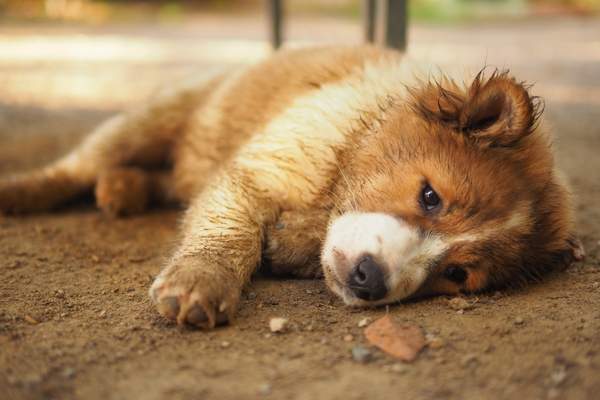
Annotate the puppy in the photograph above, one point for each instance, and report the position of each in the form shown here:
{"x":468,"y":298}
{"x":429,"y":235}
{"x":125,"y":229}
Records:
{"x":332,"y":161}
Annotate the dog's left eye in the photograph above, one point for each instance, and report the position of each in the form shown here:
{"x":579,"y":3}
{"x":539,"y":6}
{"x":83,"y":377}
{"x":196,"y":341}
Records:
{"x":455,"y":274}
{"x":429,"y":198}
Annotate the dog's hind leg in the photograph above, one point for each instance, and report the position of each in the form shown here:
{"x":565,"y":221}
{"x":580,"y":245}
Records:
{"x":130,"y":190}
{"x":143,"y":137}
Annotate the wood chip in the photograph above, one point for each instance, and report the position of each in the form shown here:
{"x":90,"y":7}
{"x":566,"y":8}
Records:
{"x":401,"y":341}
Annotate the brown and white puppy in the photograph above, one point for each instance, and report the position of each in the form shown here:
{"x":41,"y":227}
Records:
{"x":334,"y":161}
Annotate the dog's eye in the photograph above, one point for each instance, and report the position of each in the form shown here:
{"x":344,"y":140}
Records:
{"x":429,"y":198}
{"x":455,"y":274}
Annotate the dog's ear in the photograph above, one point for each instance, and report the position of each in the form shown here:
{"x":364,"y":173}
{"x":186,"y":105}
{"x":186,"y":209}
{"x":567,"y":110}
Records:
{"x":496,"y":111}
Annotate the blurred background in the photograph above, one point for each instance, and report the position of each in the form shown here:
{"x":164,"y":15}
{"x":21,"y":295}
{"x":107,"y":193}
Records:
{"x":98,"y":11}
{"x":67,"y":64}
{"x":77,"y":52}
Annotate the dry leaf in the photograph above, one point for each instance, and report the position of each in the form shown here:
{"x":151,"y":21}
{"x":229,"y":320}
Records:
{"x":401,"y":341}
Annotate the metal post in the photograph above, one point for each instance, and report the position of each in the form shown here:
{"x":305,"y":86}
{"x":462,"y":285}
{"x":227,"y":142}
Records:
{"x":369,"y":20}
{"x":391,"y":18}
{"x":276,"y":22}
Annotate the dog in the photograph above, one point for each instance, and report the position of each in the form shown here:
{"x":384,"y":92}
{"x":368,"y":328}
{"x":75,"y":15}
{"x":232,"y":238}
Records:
{"x":334,"y":162}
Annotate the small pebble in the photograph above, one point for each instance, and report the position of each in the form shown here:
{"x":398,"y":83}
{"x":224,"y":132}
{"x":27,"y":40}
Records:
{"x":399,"y":368}
{"x":348,"y":338}
{"x":488,"y":348}
{"x":265,"y":389}
{"x":102,"y":314}
{"x":225,"y":344}
{"x":553,"y":394}
{"x":435,"y":343}
{"x":558,"y":376}
{"x":361,"y":354}
{"x":519,"y":321}
{"x":364,"y":322}
{"x":468,"y":360}
{"x":278,"y":325}
{"x":68,"y":372}
{"x":459,"y":303}
{"x":30,"y":320}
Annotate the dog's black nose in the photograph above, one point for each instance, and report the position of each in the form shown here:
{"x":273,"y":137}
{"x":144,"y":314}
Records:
{"x":367,"y":280}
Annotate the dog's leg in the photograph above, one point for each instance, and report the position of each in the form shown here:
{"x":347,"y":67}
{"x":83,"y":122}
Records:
{"x":293,"y":244}
{"x":223,"y":237}
{"x":222,"y":242}
{"x":289,"y":165}
{"x":129,"y":190}
{"x":222,"y":246}
{"x":142,"y":137}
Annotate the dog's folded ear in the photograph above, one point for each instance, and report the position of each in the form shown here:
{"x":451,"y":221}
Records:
{"x":496,"y":111}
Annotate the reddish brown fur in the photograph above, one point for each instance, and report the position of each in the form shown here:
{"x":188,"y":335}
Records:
{"x":481,"y":149}
{"x":505,"y":213}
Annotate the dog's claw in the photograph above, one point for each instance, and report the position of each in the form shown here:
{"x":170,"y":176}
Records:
{"x":578,"y":250}
{"x":197,"y":316}
{"x":222,"y":318}
{"x":169,"y":307}
{"x":194,"y":304}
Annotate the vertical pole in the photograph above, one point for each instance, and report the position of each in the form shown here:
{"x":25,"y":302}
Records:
{"x":392,"y":20}
{"x":276,"y":22}
{"x":369,"y":10}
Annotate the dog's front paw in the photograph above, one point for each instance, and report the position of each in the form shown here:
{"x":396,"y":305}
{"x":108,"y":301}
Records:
{"x":193,"y":293}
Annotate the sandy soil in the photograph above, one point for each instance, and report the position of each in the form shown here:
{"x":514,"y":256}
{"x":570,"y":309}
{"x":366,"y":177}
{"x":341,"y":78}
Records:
{"x":75,"y":319}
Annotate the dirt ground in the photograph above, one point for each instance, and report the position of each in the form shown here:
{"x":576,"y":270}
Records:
{"x":75,"y":318}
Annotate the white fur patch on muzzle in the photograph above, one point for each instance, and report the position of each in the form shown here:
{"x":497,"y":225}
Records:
{"x":398,"y":249}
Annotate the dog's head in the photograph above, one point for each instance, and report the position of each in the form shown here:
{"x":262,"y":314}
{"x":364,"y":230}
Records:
{"x":453,"y":191}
